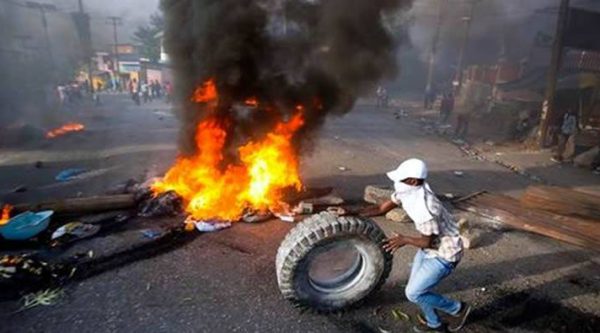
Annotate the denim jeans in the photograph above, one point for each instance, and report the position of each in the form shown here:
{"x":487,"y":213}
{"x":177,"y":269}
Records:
{"x":425,"y":274}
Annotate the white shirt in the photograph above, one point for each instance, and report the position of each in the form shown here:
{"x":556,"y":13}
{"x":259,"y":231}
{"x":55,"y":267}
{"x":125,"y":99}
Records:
{"x":432,"y":218}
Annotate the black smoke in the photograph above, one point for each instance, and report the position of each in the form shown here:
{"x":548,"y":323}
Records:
{"x":320,"y":54}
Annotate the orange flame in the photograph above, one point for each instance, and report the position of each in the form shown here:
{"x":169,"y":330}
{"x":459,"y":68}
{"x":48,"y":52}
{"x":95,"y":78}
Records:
{"x":266,"y":167}
{"x":253,"y":102}
{"x":66,"y":128}
{"x":5,"y":214}
{"x":205,"y":93}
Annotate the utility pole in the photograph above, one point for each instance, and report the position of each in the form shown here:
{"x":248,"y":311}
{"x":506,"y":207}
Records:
{"x":434,"y":43}
{"x":43,"y":9}
{"x":85,"y":35}
{"x":116,"y":21}
{"x":555,"y":63}
{"x":465,"y":43}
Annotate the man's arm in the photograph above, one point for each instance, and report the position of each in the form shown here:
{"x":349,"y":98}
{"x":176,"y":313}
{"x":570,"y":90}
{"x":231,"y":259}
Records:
{"x":382,"y":209}
{"x":398,"y":241}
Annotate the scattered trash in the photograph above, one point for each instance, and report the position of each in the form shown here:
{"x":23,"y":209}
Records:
{"x":490,"y":143}
{"x":164,"y":204}
{"x":19,"y":189}
{"x":303,"y":208}
{"x":204,"y":226}
{"x":45,"y":298}
{"x":283,"y":212}
{"x":343,"y":168}
{"x":338,"y":211}
{"x":286,"y":217}
{"x":68,"y":174}
{"x":74,"y":231}
{"x":151,"y":234}
{"x":18,"y":271}
{"x":26,"y":225}
{"x":399,"y":315}
{"x":459,"y":173}
{"x":256,"y":216}
{"x":39,"y":164}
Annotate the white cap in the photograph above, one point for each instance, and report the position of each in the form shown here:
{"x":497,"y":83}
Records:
{"x":412,"y":168}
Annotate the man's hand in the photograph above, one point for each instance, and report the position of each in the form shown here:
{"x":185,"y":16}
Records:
{"x":394,"y":243}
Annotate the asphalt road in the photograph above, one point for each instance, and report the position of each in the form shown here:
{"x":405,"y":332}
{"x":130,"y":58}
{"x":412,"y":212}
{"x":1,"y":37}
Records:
{"x":225,"y":282}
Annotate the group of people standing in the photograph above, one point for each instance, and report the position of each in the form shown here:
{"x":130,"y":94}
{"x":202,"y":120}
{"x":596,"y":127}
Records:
{"x":144,"y":92}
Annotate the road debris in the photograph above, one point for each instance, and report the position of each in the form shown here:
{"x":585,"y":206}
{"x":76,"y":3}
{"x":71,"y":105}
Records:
{"x":510,"y":211}
{"x":69,"y":174}
{"x":83,"y":205}
{"x":41,"y":298}
{"x":74,"y":231}
{"x":303,"y":208}
{"x":337,"y":211}
{"x":256,"y":216}
{"x":164,"y":204}
{"x":26,"y":225}
{"x":151,"y":234}
{"x":210,"y":226}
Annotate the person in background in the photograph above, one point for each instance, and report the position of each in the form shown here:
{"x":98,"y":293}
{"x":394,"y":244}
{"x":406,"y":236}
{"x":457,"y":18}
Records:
{"x":168,"y":92}
{"x":134,"y":90}
{"x":439,"y":245}
{"x":446,"y":107}
{"x":145,"y":91}
{"x":566,"y":137}
{"x":430,"y":97}
{"x":382,"y":97}
{"x":157,"y":89}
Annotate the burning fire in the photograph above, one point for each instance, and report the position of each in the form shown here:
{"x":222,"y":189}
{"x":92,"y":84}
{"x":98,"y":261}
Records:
{"x":66,"y":128}
{"x":206,"y":93}
{"x":253,"y":102}
{"x":5,"y":214}
{"x":266,"y":167}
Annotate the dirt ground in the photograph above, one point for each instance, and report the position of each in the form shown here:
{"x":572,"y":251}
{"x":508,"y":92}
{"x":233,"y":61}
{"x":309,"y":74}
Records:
{"x":226,"y":282}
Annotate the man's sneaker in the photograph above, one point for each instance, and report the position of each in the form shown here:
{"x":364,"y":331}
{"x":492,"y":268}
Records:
{"x":457,"y":321}
{"x":423,"y":328}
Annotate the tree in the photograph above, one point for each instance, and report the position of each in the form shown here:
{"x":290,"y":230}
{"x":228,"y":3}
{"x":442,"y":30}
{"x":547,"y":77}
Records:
{"x":147,"y":37}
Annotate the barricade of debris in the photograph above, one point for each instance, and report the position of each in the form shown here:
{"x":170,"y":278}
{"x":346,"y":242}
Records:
{"x":45,"y":245}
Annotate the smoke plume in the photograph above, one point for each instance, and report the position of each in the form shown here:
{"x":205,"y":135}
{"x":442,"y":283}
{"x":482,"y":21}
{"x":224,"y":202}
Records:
{"x":319,"y":54}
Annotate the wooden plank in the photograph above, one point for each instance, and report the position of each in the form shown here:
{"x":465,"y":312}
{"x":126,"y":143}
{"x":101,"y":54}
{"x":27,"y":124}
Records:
{"x":563,"y":201}
{"x":511,"y":212}
{"x":82,"y":205}
{"x":541,"y":217}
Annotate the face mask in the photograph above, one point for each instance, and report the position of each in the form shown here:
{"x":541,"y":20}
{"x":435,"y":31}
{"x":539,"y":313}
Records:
{"x":402,"y":188}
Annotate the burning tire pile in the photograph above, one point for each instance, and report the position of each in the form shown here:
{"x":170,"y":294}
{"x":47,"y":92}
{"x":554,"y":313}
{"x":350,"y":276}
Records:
{"x":349,"y":246}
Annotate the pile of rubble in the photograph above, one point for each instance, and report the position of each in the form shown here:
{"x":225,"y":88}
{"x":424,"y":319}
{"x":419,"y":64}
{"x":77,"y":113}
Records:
{"x":68,"y":239}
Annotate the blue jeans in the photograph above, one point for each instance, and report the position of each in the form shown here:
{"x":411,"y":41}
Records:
{"x":425,"y":274}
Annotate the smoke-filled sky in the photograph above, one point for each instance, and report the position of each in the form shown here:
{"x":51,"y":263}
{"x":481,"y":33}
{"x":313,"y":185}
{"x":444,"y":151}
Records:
{"x":133,"y":13}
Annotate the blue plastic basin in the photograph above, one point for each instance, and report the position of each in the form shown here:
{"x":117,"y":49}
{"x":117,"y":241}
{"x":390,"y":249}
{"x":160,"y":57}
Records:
{"x":26,"y":225}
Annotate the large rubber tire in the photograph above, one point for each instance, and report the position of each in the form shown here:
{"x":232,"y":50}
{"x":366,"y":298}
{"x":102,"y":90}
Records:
{"x":310,"y":238}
